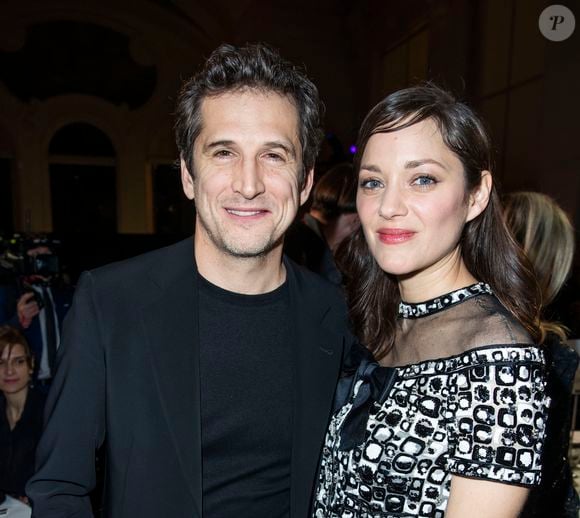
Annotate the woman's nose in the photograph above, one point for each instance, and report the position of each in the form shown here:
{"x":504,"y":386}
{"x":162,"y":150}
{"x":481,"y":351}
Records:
{"x":392,"y":203}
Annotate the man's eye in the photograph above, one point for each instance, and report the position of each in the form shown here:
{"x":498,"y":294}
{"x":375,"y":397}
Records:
{"x":222,"y":153}
{"x":274,"y":156}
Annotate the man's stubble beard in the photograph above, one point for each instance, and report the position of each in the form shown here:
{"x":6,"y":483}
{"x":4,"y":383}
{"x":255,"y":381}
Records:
{"x":237,"y":251}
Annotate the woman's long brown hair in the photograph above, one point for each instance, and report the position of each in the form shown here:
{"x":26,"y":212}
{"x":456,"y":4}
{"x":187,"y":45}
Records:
{"x":488,"y":250}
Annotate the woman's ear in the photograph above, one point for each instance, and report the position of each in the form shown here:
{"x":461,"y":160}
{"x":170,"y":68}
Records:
{"x":479,"y":197}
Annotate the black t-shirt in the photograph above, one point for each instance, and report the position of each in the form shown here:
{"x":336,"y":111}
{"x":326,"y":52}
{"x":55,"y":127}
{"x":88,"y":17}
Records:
{"x":246,"y":374}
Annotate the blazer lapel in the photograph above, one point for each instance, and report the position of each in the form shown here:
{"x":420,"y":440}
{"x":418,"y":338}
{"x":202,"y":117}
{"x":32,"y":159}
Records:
{"x":171,"y":329}
{"x":318,"y":352}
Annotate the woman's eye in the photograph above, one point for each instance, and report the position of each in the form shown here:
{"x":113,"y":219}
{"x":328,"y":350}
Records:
{"x":424,"y":180}
{"x":369,"y":183}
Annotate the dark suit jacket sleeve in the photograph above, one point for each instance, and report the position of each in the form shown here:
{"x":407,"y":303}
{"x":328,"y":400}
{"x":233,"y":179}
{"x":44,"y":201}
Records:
{"x":74,"y":419}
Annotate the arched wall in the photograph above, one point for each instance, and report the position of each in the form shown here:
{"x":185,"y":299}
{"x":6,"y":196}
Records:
{"x":171,"y":44}
{"x":175,"y":37}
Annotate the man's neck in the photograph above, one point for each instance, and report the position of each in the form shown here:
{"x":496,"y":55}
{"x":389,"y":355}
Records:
{"x":247,"y":275}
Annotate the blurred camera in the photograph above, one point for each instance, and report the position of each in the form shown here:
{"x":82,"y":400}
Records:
{"x":39,"y":264}
{"x":25,"y":256}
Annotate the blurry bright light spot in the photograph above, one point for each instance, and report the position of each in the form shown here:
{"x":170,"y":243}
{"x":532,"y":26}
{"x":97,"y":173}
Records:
{"x":352,"y":149}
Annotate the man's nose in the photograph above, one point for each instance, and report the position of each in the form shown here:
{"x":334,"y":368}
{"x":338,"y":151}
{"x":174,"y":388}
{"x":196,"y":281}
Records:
{"x":248,"y":180}
{"x":392,"y":203}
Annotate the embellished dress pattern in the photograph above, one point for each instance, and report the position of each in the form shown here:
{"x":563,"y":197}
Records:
{"x":400,"y":433}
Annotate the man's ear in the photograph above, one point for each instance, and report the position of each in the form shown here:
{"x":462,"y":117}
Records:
{"x":308,"y":181}
{"x":186,"y":180}
{"x":479,"y":198}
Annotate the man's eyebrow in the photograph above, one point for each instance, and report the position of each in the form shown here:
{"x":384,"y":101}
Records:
{"x":412,"y":164}
{"x":218,"y":143}
{"x":288,"y":147}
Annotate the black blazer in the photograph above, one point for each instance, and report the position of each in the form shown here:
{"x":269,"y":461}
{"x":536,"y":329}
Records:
{"x":128,"y":374}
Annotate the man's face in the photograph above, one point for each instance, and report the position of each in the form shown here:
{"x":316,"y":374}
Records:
{"x":39,"y":250}
{"x":247,"y":161}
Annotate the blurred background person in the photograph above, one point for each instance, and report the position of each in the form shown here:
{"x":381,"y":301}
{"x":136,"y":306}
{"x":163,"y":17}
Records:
{"x":36,"y":302}
{"x":20,"y":413}
{"x":313,"y":241}
{"x":545,"y":233}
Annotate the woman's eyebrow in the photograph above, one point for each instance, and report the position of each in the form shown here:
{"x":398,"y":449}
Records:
{"x":371,"y":167}
{"x":412,"y":164}
{"x":12,"y":358}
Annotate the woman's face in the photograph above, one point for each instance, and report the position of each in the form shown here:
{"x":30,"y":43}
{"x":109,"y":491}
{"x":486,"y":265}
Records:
{"x":14,"y":369}
{"x":411,"y":199}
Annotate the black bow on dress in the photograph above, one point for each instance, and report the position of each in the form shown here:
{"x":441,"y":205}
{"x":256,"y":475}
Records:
{"x":377,"y":382}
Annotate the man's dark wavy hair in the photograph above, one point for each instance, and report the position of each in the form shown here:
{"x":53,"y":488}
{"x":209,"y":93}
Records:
{"x":254,"y":66}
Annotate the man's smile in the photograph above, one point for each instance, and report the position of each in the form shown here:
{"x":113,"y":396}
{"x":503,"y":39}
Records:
{"x":244,"y":213}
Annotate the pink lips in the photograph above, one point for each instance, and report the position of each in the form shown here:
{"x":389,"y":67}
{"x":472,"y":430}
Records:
{"x":394,"y":236}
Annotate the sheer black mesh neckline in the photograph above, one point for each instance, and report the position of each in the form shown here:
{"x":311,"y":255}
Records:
{"x":429,"y":307}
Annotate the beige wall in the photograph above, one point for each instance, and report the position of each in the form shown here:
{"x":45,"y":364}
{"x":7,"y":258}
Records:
{"x":492,"y":53}
{"x":527,"y":92}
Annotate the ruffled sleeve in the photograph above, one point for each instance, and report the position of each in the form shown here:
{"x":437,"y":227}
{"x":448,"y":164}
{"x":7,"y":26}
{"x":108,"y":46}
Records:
{"x":496,"y":417}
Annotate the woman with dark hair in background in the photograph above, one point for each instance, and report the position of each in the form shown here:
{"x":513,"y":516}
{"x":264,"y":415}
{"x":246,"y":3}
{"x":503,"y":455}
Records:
{"x":20,"y":413}
{"x":331,"y":218}
{"x":545,"y":233}
{"x":445,"y":415}
{"x":333,"y":214}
